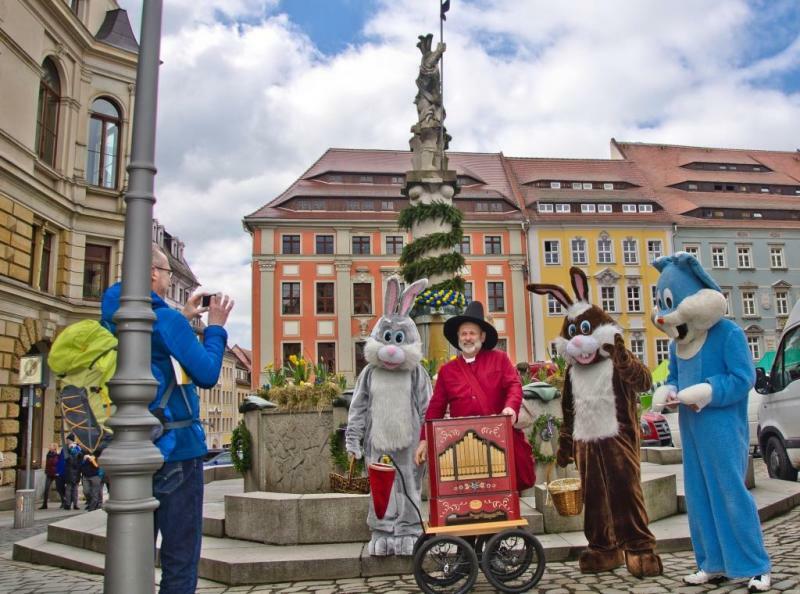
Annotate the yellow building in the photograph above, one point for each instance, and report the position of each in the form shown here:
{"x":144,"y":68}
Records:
{"x":68,"y":73}
{"x":599,"y":216}
{"x":219,"y":408}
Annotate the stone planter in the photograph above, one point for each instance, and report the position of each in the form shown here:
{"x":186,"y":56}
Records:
{"x":291,"y":451}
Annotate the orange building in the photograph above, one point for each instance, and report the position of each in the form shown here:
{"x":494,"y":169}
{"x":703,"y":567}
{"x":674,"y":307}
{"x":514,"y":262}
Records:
{"x":323,"y":249}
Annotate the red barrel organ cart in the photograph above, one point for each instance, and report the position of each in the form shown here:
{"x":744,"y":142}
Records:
{"x":474,"y":511}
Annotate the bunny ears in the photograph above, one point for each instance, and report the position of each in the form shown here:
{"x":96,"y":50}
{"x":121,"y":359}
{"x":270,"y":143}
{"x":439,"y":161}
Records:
{"x":580,"y":284}
{"x":399,"y":304}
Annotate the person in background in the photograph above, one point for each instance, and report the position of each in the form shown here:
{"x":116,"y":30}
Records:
{"x":72,"y":473}
{"x":92,"y":482}
{"x":50,"y":473}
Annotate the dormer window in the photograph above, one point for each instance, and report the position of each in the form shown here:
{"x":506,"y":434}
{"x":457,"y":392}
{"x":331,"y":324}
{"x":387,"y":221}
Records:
{"x":588,"y":208}
{"x":555,"y":185}
{"x":562,"y":208}
{"x":576,"y":185}
{"x":645,"y":208}
{"x":587,"y":186}
{"x":629,"y":208}
{"x":544,"y":207}
{"x":608,"y":186}
{"x":604,"y":208}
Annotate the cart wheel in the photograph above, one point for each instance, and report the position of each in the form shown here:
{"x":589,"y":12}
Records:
{"x":513,"y":561}
{"x":445,"y":565}
{"x":420,"y":539}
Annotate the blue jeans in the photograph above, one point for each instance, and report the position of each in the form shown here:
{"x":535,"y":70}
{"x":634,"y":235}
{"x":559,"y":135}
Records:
{"x":178,"y":486}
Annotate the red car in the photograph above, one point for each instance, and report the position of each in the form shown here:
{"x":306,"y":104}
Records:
{"x":655,"y":430}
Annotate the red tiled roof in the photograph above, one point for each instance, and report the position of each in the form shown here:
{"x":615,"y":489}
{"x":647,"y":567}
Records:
{"x":530,"y":170}
{"x":576,"y":218}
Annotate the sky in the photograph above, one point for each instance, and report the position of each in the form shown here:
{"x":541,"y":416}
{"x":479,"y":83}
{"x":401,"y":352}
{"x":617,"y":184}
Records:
{"x":252,"y":92}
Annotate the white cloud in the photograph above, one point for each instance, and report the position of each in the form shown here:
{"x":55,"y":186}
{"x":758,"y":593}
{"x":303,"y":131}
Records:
{"x":247,"y":102}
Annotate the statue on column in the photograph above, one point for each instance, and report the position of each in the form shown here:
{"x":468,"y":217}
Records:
{"x":430,"y":137}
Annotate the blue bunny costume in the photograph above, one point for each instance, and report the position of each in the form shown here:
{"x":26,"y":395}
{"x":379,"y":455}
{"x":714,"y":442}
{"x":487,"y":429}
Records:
{"x":710,"y":367}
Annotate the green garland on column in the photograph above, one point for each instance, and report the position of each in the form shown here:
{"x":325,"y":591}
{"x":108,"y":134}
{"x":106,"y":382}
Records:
{"x":241,"y":441}
{"x":414,"y":263}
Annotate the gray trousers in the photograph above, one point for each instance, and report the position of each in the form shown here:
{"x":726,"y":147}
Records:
{"x":93,"y":492}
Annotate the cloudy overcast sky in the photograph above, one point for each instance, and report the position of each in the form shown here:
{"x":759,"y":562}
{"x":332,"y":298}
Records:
{"x":253,"y":91}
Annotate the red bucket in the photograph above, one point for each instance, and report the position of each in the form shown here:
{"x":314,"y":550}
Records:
{"x":381,"y":480}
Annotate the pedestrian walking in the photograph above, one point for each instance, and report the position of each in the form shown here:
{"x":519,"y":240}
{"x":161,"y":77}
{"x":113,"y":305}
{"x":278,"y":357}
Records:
{"x":50,"y":473}
{"x":72,"y":474}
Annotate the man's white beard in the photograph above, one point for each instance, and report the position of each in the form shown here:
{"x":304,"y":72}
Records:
{"x":470,"y":349}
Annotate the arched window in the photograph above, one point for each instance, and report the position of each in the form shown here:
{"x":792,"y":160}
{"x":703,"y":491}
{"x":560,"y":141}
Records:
{"x":101,"y":163}
{"x":47,"y":113}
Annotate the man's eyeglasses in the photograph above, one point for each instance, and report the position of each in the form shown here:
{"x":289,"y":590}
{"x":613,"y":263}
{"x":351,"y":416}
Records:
{"x":167,"y":270}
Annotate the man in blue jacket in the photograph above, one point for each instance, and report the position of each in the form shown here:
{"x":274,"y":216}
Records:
{"x":178,"y":485}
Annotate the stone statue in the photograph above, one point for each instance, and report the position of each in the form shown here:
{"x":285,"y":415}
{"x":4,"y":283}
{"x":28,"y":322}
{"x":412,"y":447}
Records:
{"x":430,"y":138}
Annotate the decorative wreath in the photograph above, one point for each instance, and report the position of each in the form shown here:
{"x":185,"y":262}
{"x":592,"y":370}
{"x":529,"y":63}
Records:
{"x":544,"y":428}
{"x":241,"y":446}
{"x":442,"y":297}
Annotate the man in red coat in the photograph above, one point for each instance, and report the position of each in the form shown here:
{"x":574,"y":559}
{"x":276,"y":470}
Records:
{"x":501,"y":391}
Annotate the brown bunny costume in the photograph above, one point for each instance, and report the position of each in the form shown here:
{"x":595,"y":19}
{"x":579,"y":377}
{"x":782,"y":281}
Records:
{"x":601,"y":430}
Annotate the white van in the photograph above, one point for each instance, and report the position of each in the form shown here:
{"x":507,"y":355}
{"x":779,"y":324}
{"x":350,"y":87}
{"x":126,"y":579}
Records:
{"x":779,"y":413}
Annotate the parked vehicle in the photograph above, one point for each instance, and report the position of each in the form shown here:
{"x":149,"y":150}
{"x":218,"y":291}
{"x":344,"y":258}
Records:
{"x":221,"y":459}
{"x":655,"y":430}
{"x":779,"y":411}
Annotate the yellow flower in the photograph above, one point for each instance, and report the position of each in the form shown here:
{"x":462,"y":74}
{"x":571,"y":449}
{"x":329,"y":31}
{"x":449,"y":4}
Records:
{"x":293,"y":359}
{"x":452,"y":357}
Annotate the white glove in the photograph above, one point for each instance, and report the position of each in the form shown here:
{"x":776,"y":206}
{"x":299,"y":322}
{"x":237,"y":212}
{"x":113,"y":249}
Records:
{"x":355,"y":452}
{"x":698,"y":394}
{"x":662,"y":395}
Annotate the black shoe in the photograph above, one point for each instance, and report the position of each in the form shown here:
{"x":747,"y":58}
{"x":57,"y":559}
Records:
{"x":43,"y":507}
{"x":74,"y":507}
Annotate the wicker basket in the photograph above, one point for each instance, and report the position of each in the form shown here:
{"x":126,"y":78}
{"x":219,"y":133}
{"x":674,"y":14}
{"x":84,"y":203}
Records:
{"x":349,"y":484}
{"x":567,"y":496}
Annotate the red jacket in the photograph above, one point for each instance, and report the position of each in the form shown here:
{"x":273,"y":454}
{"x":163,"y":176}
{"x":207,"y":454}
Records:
{"x":500,"y":383}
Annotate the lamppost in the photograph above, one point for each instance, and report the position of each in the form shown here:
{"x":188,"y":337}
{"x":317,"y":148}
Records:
{"x":131,"y":459}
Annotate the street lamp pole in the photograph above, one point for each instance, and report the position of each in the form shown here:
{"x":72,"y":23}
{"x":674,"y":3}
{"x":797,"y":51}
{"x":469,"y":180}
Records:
{"x":131,"y":458}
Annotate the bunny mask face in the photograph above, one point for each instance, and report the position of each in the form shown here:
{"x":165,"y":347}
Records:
{"x":395,"y":342}
{"x":587,"y":328}
{"x":689,"y":301}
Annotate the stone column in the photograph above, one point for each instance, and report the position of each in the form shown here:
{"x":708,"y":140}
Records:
{"x":267,"y":321}
{"x":518,"y":291}
{"x":344,"y":309}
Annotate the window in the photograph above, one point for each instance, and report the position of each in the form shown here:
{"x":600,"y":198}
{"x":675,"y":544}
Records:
{"x":587,"y":185}
{"x":552,"y":252}
{"x":605,"y":253}
{"x":74,"y":5}
{"x":728,"y":303}
{"x":41,"y":257}
{"x":492,"y":245}
{"x":290,"y":298}
{"x":544,"y":207}
{"x":468,"y":291}
{"x":634,"y":299}
{"x":787,"y":362}
{"x":361,"y":245}
{"x":782,"y":303}
{"x":604,"y":208}
{"x":553,"y":306}
{"x":47,"y":113}
{"x":637,"y":348}
{"x":630,"y":251}
{"x":608,"y":298}
{"x":654,"y":249}
{"x":365,"y":179}
{"x":718,"y":259}
{"x":608,"y":186}
{"x":361,"y":362}
{"x":754,"y":344}
{"x":325,"y":299}
{"x":692,"y":250}
{"x":576,"y":185}
{"x":394,"y":244}
{"x":629,"y":208}
{"x":289,"y":349}
{"x":465,"y":247}
{"x":562,"y":208}
{"x":362,"y":299}
{"x":588,"y":208}
{"x":290,"y":244}
{"x":579,"y":251}
{"x":104,"y":133}
{"x":662,"y":349}
{"x":555,"y":185}
{"x":388,"y":204}
{"x":654,"y":296}
{"x":95,"y":270}
{"x":749,"y":303}
{"x":744,"y":256}
{"x":326,"y":355}
{"x":776,"y":257}
{"x":645,"y":208}
{"x":496,"y":294}
{"x":324,"y":244}
{"x":553,"y":350}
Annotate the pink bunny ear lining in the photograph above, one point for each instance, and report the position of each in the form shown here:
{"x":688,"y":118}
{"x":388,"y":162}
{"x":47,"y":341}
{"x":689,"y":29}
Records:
{"x":410,"y":294}
{"x":392,"y":296}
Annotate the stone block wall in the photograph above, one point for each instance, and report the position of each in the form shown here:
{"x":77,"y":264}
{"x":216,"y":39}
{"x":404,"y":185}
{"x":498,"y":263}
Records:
{"x":16,"y":234}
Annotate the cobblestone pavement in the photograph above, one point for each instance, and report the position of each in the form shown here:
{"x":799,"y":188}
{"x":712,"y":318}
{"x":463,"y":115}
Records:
{"x":782,"y":537}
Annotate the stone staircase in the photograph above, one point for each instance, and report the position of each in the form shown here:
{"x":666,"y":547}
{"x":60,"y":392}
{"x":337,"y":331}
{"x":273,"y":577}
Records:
{"x":260,"y":538}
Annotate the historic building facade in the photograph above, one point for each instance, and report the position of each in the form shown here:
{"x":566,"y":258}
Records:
{"x":737,"y":211}
{"x":323,"y":250}
{"x":68,"y":82}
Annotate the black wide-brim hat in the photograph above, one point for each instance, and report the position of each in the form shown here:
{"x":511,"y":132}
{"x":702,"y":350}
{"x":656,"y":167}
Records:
{"x":472,"y":313}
